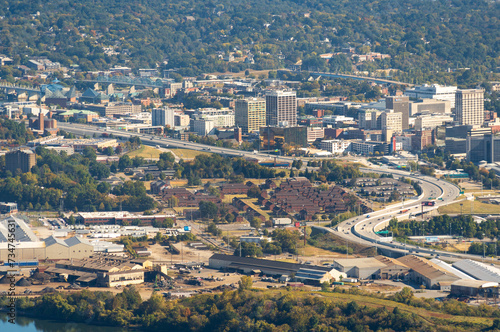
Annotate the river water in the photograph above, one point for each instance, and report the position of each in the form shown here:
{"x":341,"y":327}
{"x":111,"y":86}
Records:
{"x":26,"y":324}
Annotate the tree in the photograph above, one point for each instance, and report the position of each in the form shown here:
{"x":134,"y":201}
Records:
{"x":404,"y":296}
{"x":255,"y":222}
{"x":286,"y":239}
{"x":249,"y":249}
{"x":254,"y":192}
{"x":208,"y":209}
{"x":245,"y":283}
{"x":89,"y":153}
{"x":99,"y":170}
{"x":212,"y":229}
{"x":124,"y":162}
{"x":109,"y":151}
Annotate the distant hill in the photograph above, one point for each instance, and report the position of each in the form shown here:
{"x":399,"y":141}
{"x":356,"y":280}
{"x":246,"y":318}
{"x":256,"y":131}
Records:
{"x":195,"y":36}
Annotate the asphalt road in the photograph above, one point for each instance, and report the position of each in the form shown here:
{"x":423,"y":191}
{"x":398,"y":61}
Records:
{"x":165,"y":142}
{"x":360,"y":229}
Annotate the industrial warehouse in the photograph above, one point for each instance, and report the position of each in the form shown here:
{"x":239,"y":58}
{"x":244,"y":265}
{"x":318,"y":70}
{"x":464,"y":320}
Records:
{"x":312,"y":274}
{"x":431,"y":274}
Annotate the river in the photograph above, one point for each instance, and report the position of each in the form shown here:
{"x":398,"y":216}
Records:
{"x":26,"y":324}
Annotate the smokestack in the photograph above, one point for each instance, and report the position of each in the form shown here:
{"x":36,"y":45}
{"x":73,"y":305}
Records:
{"x":41,"y":120}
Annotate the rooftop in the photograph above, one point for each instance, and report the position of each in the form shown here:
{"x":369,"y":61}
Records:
{"x":360,"y":262}
{"x":425,"y":267}
{"x":22,"y":232}
{"x":478,"y":270}
{"x":475,"y":283}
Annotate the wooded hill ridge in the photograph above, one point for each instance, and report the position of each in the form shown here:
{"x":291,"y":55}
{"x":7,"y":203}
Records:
{"x":421,"y":36}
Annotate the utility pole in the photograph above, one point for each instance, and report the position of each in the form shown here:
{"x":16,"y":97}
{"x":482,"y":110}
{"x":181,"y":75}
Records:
{"x":347,"y":251}
{"x":422,"y":205}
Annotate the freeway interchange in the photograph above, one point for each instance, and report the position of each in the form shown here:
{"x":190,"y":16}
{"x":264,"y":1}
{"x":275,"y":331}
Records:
{"x":361,"y":229}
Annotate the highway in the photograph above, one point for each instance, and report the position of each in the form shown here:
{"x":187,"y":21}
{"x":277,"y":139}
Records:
{"x":361,"y":229}
{"x":165,"y":142}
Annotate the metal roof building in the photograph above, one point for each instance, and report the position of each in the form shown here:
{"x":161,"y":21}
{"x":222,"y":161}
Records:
{"x":474,"y":288}
{"x":478,"y":270}
{"x":304,"y":272}
{"x":425,"y":272}
{"x":451,"y":269}
{"x":22,"y":232}
{"x":362,"y":268}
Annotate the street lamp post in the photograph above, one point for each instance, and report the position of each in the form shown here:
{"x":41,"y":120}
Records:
{"x":484,"y":248}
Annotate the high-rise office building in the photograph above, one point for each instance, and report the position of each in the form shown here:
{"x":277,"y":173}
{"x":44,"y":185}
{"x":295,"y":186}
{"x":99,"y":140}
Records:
{"x":163,"y":117}
{"x":434,"y":91}
{"x":281,"y":108}
{"x":391,"y":120}
{"x":369,"y":119}
{"x":20,"y":159}
{"x":250,"y":114}
{"x":430,"y":106}
{"x":400,"y":104}
{"x":485,"y":147}
{"x":469,"y":107}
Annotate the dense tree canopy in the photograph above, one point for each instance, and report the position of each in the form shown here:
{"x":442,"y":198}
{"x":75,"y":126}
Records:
{"x":424,"y":38}
{"x":249,"y":310}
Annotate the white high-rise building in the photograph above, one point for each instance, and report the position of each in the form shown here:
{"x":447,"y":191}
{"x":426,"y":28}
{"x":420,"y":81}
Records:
{"x":202,"y":127}
{"x":434,"y":91}
{"x":163,"y":117}
{"x":469,"y":107}
{"x":281,"y":108}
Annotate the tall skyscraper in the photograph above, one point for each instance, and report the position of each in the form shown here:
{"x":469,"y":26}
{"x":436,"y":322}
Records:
{"x":281,"y":108}
{"x":400,"y":104}
{"x":469,"y":107}
{"x":163,"y":117}
{"x":250,"y":114}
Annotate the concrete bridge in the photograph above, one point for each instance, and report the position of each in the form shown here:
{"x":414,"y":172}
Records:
{"x":360,"y":78}
{"x":30,"y":91}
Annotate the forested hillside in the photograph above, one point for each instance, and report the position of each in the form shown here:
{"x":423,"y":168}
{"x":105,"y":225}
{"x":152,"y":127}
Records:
{"x":258,"y":310}
{"x":422,"y":36}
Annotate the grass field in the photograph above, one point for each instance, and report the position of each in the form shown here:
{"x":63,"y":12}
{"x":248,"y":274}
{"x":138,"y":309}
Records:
{"x":145,"y":152}
{"x":314,"y":251}
{"x":428,"y":315}
{"x":187,"y":154}
{"x":178,"y":182}
{"x":229,"y":198}
{"x":478,"y":207}
{"x":251,"y":201}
